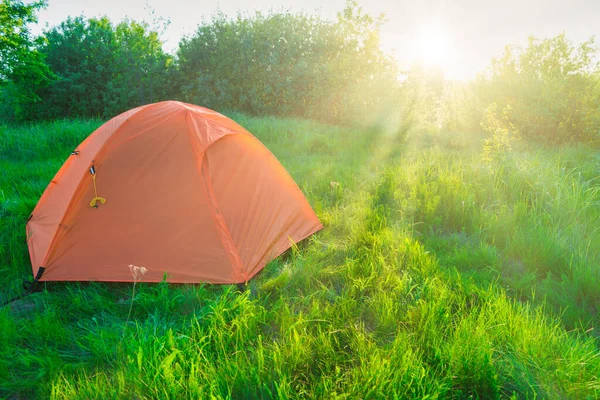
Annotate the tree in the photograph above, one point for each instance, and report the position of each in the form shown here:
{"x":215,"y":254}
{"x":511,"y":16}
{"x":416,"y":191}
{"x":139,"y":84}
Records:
{"x":551,"y":87}
{"x":144,"y":70}
{"x":288,"y":64}
{"x":103,"y":69}
{"x":22,"y":68}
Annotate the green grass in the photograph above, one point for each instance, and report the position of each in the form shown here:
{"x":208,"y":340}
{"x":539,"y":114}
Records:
{"x":436,"y":276}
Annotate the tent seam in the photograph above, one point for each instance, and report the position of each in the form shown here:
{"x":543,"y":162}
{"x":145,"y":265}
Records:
{"x":223,"y":228}
{"x":236,"y":261}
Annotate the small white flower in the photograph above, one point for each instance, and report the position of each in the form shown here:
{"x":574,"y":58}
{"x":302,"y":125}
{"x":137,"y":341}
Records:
{"x":137,"y":272}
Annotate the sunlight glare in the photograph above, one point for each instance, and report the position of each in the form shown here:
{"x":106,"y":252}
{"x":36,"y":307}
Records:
{"x":434,"y":47}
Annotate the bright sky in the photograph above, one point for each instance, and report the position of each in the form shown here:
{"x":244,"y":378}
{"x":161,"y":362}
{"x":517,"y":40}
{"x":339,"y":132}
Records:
{"x":459,"y":36}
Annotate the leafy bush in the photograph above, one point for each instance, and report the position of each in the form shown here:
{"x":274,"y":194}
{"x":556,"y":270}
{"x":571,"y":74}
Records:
{"x":552,"y":86}
{"x":102,"y":69}
{"x":503,"y":133}
{"x":288,"y":64}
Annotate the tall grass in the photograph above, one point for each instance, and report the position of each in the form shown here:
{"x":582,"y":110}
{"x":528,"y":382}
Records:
{"x":436,"y":276}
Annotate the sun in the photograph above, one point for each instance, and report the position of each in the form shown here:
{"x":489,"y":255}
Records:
{"x":433,"y":47}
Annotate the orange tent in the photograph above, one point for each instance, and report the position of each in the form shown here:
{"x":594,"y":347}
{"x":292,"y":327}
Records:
{"x":176,"y":188}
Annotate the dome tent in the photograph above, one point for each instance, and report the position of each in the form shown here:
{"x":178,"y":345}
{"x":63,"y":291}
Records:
{"x":174,"y":187}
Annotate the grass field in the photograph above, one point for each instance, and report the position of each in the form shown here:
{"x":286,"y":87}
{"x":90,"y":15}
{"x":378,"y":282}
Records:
{"x":437,"y":275}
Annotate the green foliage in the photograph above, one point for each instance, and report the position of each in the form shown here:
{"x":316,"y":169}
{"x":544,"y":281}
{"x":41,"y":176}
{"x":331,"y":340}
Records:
{"x":290,"y":64}
{"x":22,"y":67}
{"x":102,"y":69}
{"x":552,"y":86}
{"x":436,"y":276}
{"x":15,"y":40}
{"x":503,"y":133}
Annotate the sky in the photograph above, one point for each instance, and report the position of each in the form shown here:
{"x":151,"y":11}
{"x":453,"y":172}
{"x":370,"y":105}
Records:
{"x":459,"y":36}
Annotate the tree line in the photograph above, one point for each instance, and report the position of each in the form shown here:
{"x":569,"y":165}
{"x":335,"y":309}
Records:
{"x":290,"y":64}
{"x":278,"y":64}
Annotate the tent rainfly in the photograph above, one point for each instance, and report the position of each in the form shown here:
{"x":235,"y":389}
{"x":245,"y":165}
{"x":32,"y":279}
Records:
{"x":176,"y":188}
